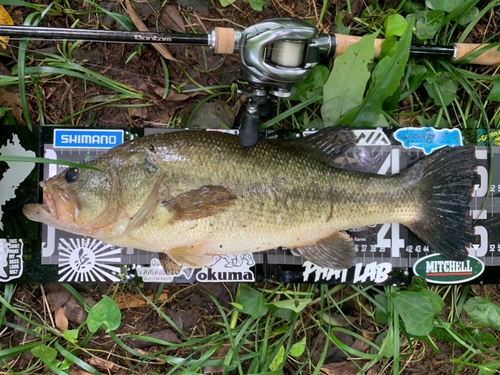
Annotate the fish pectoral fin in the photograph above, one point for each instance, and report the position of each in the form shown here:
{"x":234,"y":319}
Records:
{"x":192,"y":257}
{"x":201,"y":202}
{"x":336,"y":251}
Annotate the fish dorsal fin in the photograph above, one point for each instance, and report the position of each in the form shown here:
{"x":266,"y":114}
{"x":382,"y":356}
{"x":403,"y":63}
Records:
{"x":201,"y":202}
{"x":336,"y":251}
{"x":326,"y":144}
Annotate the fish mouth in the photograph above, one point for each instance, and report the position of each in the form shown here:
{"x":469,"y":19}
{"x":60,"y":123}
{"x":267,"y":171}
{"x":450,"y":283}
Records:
{"x":60,"y":205}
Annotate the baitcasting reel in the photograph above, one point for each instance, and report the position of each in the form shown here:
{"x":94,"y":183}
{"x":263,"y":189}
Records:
{"x":274,"y":55}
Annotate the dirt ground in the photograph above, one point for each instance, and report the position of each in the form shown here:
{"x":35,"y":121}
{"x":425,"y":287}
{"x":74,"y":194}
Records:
{"x":191,"y":309}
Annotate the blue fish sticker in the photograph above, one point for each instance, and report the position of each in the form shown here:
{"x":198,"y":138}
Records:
{"x":428,"y":139}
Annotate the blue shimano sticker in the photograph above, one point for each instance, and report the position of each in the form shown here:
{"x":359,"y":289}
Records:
{"x":83,"y":138}
{"x":428,"y":139}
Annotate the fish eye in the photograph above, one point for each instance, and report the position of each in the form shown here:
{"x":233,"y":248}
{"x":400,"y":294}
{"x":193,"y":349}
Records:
{"x":72,"y":174}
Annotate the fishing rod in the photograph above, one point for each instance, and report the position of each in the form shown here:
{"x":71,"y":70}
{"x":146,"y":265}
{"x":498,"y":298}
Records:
{"x":274,"y":54}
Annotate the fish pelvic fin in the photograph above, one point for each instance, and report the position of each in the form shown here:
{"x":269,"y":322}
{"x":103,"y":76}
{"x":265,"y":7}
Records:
{"x":335,"y":251}
{"x":201,"y":202}
{"x":190,"y":256}
{"x":446,"y":180}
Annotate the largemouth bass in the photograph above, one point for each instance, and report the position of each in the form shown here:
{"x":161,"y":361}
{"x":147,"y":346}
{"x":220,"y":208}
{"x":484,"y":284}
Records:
{"x":193,"y":195}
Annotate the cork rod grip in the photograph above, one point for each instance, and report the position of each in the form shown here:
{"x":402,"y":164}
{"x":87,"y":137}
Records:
{"x":224,"y":40}
{"x":489,"y":57}
{"x":344,"y":41}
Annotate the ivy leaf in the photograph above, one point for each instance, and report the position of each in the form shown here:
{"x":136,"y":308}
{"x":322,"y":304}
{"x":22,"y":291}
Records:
{"x":417,"y":310}
{"x":347,"y":82}
{"x":428,"y":23}
{"x":45,"y":352}
{"x":468,"y":16}
{"x":395,"y":24}
{"x":296,"y":305}
{"x":494,"y":95}
{"x":257,"y":5}
{"x":442,"y":89}
{"x":71,"y":335}
{"x":298,"y":348}
{"x":252,"y":301}
{"x":312,"y":86}
{"x":483,"y":312}
{"x":278,"y":359}
{"x":446,"y":5}
{"x":104,"y":312}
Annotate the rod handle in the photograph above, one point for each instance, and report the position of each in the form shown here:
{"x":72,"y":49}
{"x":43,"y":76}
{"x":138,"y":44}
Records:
{"x":344,"y":41}
{"x":489,"y":57}
{"x":224,"y":40}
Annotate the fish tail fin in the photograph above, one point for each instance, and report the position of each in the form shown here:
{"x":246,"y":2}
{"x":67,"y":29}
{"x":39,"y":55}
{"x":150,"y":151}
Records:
{"x":446,"y":179}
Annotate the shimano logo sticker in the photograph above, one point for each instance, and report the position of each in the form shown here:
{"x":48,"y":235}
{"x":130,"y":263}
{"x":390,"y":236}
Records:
{"x":83,"y":138}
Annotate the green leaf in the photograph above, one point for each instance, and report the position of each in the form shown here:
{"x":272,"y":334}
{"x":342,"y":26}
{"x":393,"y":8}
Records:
{"x":380,"y":315}
{"x":347,"y":82}
{"x":386,"y":79}
{"x":428,"y":23}
{"x":483,"y":312}
{"x":418,"y":283}
{"x":312,"y":86}
{"x":278,"y":359}
{"x":411,"y":7}
{"x":468,"y":16}
{"x":28,"y":159}
{"x":494,"y":94}
{"x":298,"y":348}
{"x":443,"y":89}
{"x":395,"y":24}
{"x":446,"y":5}
{"x":488,"y":368}
{"x":71,"y":335}
{"x":296,"y":305}
{"x":341,"y":29}
{"x":417,"y":310}
{"x":42,"y":351}
{"x":226,"y":3}
{"x":483,"y":337}
{"x":252,"y":301}
{"x":105,"y":312}
{"x":257,"y":5}
{"x":435,"y":121}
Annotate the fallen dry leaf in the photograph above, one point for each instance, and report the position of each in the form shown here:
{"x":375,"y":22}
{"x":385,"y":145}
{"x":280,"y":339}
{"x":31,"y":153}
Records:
{"x":94,"y":361}
{"x":340,"y":368}
{"x":60,"y":319}
{"x":12,"y":100}
{"x":129,"y":302}
{"x":5,"y":19}
{"x":141,"y":27}
{"x":172,"y":19}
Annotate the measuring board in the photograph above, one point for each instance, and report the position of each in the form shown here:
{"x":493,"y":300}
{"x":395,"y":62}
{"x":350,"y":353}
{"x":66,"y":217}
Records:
{"x":385,"y":254}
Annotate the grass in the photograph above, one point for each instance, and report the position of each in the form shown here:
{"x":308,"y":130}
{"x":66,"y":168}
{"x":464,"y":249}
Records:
{"x":273,"y":328}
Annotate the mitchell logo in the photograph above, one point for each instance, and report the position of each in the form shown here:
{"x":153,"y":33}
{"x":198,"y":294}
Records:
{"x":437,"y":269}
{"x":233,"y":267}
{"x":82,"y":138}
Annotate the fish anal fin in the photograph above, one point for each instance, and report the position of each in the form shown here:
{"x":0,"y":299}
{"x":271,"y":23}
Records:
{"x":335,"y":251}
{"x":201,"y":202}
{"x":190,"y":256}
